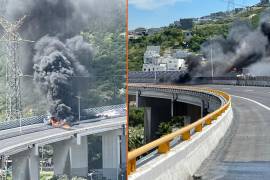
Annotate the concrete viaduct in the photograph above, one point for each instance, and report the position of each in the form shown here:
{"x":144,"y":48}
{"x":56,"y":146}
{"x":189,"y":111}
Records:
{"x":233,"y":145}
{"x":70,"y":147}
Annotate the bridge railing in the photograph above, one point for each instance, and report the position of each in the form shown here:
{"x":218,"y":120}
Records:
{"x":181,"y":77}
{"x":90,"y":113}
{"x":163,"y":144}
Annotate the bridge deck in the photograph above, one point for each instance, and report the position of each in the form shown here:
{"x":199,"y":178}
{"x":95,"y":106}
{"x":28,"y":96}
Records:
{"x":8,"y":145}
{"x":244,"y":153}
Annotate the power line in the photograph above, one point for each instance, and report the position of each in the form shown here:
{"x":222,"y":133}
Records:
{"x":11,"y":39}
{"x":232,"y":3}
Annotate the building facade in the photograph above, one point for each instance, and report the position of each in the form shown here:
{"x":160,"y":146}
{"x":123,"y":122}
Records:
{"x":170,"y":61}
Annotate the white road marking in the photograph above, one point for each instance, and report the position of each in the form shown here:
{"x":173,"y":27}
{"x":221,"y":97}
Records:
{"x":226,"y":88}
{"x":248,"y":90}
{"x":256,"y":102}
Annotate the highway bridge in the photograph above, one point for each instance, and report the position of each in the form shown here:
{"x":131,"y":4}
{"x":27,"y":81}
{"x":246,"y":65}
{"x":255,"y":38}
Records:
{"x":234,"y":145}
{"x":70,"y":146}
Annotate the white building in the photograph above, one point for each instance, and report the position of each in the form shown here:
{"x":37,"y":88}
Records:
{"x":174,"y":64}
{"x":151,"y":55}
{"x":180,"y":53}
{"x":154,"y":62}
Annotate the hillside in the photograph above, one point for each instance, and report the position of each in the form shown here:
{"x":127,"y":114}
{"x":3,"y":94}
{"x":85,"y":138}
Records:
{"x":172,"y":37}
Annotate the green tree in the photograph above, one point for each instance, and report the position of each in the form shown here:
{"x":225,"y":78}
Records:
{"x":168,"y":126}
{"x":136,"y":117}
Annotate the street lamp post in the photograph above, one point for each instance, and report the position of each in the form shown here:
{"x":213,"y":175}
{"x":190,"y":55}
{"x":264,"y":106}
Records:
{"x":79,"y":107}
{"x":155,"y":76}
{"x":211,"y":59}
{"x":155,"y":71}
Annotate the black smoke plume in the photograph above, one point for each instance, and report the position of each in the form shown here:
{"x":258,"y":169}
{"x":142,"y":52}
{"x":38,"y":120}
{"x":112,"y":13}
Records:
{"x":244,"y":47}
{"x":55,"y":65}
{"x":58,"y":55}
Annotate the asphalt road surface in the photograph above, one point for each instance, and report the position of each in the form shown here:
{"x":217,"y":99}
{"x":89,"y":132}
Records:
{"x":244,"y":152}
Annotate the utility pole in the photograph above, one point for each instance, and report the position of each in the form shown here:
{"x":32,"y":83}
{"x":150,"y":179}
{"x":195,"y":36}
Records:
{"x":230,"y":5}
{"x":11,"y":38}
{"x":211,"y":59}
{"x":79,"y":107}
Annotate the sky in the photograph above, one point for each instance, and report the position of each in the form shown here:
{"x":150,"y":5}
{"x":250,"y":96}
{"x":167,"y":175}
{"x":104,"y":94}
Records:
{"x":158,"y":13}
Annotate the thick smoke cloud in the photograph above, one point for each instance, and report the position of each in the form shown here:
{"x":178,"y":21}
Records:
{"x":244,"y":47}
{"x":55,"y":65}
{"x":61,"y":18}
{"x":58,"y":53}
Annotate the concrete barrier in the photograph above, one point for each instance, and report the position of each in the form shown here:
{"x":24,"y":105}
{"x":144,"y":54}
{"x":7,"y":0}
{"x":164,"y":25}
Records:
{"x":183,"y":160}
{"x":179,"y":77}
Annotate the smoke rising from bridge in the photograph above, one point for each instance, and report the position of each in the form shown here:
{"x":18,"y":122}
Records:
{"x":58,"y":52}
{"x":244,"y":47}
{"x":55,"y":63}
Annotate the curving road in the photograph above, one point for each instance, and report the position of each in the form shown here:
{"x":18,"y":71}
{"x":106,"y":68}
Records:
{"x":244,"y":153}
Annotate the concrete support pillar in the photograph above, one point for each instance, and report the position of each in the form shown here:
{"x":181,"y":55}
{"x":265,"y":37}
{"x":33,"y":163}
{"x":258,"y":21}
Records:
{"x":124,"y":152}
{"x":61,"y":158}
{"x":79,"y":157}
{"x":25,"y":165}
{"x":194,"y":112}
{"x":111,"y":153}
{"x":156,"y":111}
{"x":147,"y":124}
{"x":202,"y":109}
{"x":138,"y":99}
{"x":172,"y":108}
{"x":70,"y":157}
{"x":2,"y":162}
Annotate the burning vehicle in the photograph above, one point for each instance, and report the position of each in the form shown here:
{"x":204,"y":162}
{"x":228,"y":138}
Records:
{"x":58,"y":123}
{"x":55,"y":66}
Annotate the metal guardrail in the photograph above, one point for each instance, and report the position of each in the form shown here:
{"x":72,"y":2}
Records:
{"x":152,"y":77}
{"x":40,"y":119}
{"x":24,"y":122}
{"x":163,"y":144}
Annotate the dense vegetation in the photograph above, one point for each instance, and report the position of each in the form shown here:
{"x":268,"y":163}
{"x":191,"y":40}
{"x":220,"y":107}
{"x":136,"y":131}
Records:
{"x":136,"y":127}
{"x":168,"y":126}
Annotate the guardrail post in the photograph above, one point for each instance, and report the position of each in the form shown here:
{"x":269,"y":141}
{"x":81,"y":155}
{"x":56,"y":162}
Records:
{"x":186,"y":136}
{"x":208,"y":121}
{"x":164,"y":148}
{"x":131,"y":166}
{"x":198,"y":128}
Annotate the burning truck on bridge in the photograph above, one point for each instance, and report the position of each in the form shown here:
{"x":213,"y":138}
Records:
{"x":55,"y":66}
{"x":55,"y":58}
